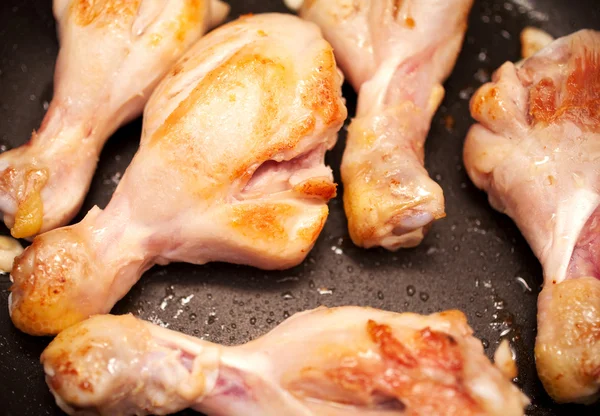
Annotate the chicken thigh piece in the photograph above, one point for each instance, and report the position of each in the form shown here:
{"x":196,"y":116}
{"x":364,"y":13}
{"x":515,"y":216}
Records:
{"x":230,"y":168}
{"x":333,"y":362}
{"x":396,"y":54}
{"x":536,"y":152}
{"x":113,"y":53}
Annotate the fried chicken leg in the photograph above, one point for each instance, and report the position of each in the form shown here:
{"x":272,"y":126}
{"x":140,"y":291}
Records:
{"x":396,"y":54}
{"x":342,"y":361}
{"x":230,"y":168}
{"x":113,"y":53}
{"x":536,"y":152}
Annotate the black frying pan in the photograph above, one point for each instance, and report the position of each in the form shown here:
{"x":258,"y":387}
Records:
{"x":474,"y":260}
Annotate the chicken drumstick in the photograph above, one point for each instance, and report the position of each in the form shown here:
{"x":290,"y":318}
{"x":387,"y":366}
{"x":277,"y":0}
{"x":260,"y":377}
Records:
{"x":113,"y":53}
{"x":396,"y":54}
{"x":230,"y":168}
{"x":536,"y":152}
{"x":334,"y":362}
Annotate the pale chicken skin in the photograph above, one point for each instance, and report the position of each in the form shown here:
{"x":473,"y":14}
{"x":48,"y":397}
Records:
{"x":325,"y":362}
{"x":396,"y":55}
{"x":536,"y":152}
{"x":113,"y":54}
{"x":230,"y":168}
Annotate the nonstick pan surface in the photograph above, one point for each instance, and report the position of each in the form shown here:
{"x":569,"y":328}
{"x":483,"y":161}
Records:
{"x":474,"y":260}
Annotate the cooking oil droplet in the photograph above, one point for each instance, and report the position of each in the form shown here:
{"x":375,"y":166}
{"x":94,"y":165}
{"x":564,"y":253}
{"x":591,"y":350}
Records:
{"x":209,"y":296}
{"x":380,"y":295}
{"x":187,"y":299}
{"x":287,"y":295}
{"x":269,"y":321}
{"x":482,"y":75}
{"x":485,"y":343}
{"x":524,"y":284}
{"x":193,"y":316}
{"x":234,"y":326}
{"x":337,"y":250}
{"x":424,"y":296}
{"x":350,"y":269}
{"x":325,"y":291}
{"x":211,"y":319}
{"x":483,"y":55}
{"x":311,"y":284}
{"x":252,"y":321}
{"x":465,"y":94}
{"x":165,"y":302}
{"x":411,"y":290}
{"x":286,"y":314}
{"x":196,"y":332}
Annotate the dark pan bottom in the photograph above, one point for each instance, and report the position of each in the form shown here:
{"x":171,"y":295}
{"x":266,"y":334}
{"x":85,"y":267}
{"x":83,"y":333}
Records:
{"x":474,"y":260}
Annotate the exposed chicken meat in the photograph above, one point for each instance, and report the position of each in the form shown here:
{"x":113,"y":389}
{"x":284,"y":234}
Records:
{"x":343,"y":361}
{"x":113,"y":53}
{"x":536,"y":152}
{"x":230,"y":168}
{"x":396,"y":54}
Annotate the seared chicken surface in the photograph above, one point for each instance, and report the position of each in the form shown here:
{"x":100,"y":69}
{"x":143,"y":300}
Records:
{"x":113,"y":53}
{"x":230,"y":168}
{"x":396,"y":54}
{"x":334,"y":362}
{"x":536,"y":152}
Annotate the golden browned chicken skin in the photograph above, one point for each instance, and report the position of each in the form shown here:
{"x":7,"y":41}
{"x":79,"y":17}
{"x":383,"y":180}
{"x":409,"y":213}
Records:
{"x":230,"y":168}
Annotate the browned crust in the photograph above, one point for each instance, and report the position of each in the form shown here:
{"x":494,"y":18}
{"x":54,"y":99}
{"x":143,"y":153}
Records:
{"x":579,"y":100}
{"x":261,"y":222}
{"x":317,"y":188}
{"x":103,"y":12}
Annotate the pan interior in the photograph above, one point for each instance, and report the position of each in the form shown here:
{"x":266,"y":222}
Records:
{"x":474,"y":260}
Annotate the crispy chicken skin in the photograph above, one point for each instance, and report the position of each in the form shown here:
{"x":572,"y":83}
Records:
{"x":230,"y":168}
{"x":396,"y":54}
{"x":334,"y":362}
{"x":113,"y":54}
{"x":536,"y":152}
